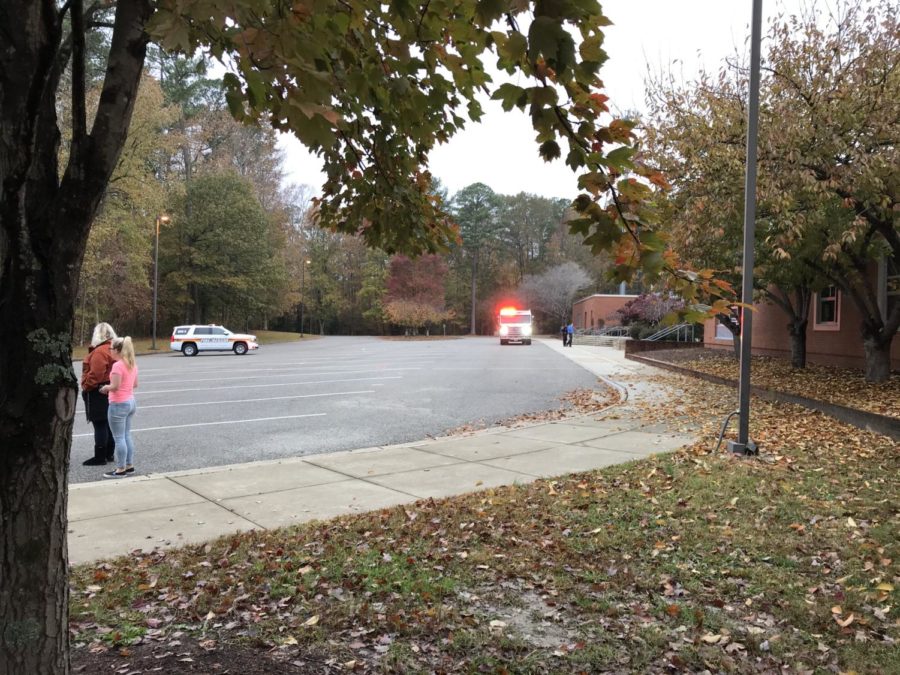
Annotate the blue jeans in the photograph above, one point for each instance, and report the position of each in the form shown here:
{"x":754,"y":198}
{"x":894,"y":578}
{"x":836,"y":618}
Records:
{"x":120,"y":416}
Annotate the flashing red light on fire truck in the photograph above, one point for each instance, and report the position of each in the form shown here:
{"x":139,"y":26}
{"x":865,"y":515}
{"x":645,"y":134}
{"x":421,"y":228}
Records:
{"x":514,"y":325}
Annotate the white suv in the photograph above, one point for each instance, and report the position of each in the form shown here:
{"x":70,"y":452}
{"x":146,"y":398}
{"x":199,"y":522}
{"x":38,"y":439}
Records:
{"x":192,"y":339}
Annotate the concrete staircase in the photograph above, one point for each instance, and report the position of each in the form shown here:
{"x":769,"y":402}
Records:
{"x":601,"y":341}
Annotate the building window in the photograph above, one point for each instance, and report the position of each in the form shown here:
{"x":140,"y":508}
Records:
{"x":889,"y":287}
{"x":722,"y":331}
{"x":828,"y":309}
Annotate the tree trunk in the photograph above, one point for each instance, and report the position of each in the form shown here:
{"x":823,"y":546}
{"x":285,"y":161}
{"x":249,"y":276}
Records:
{"x":878,"y":359}
{"x":33,"y":498}
{"x":37,"y":404}
{"x":797,"y":330}
{"x":45,"y":218}
{"x":736,"y":345}
{"x":38,"y":293}
{"x":735,"y":331}
{"x":474,"y":285}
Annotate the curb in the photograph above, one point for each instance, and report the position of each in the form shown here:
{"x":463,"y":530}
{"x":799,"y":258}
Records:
{"x":868,"y":421}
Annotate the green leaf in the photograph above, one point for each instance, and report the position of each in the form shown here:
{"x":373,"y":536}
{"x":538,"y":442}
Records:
{"x":576,"y":158}
{"x":513,"y":49}
{"x":256,"y":89}
{"x":547,"y":38}
{"x":620,"y":158}
{"x":652,"y":263}
{"x":542,"y":96}
{"x":590,"y":49}
{"x":489,"y":11}
{"x":510,"y":95}
{"x":652,"y":241}
{"x":549,"y":150}
{"x":594,"y":182}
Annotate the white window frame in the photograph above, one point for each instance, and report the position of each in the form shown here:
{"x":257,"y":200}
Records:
{"x":819,"y":298}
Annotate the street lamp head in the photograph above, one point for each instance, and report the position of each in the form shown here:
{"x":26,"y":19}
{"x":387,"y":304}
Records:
{"x":165,"y":220}
{"x":307,"y":261}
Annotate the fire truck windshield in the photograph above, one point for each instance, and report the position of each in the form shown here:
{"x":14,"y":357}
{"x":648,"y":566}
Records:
{"x":515,"y":318}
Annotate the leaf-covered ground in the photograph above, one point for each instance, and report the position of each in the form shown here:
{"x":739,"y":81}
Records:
{"x":691,"y":561}
{"x":842,"y":386}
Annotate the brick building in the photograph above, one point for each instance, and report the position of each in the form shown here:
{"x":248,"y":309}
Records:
{"x":597,"y":310}
{"x":833,"y":333}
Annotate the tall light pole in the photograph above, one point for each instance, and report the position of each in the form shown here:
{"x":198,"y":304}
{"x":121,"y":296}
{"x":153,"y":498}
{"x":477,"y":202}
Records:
{"x":302,"y":280}
{"x":160,"y":220}
{"x":743,"y":445}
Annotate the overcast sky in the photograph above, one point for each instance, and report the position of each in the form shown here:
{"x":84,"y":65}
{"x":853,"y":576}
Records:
{"x":659,"y":34}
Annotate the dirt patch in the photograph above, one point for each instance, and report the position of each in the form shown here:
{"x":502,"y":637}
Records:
{"x":533,"y":621}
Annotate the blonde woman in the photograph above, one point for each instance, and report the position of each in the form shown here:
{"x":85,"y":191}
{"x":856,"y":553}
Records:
{"x":123,"y":380}
{"x":95,"y":370}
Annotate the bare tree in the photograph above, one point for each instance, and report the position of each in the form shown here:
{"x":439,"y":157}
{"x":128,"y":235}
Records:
{"x":554,"y":291}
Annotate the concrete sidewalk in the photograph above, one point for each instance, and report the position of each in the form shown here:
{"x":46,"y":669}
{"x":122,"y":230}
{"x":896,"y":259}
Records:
{"x":177,"y":508}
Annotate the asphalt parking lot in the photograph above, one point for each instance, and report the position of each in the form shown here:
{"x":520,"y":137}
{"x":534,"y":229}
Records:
{"x":325,"y":395}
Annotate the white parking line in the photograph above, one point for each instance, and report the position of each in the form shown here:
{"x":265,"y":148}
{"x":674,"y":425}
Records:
{"x":256,"y":400}
{"x":210,"y":424}
{"x":141,"y":394}
{"x":312,"y":363}
{"x":283,"y":374}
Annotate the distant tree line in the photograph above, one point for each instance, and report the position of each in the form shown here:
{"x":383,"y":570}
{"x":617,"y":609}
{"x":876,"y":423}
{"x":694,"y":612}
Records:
{"x":240,"y":247}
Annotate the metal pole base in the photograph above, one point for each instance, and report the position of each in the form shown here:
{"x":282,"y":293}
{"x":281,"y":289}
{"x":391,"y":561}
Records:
{"x":745,"y":449}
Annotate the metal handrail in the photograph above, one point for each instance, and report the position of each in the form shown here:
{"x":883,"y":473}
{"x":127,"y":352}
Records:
{"x":612,"y":331}
{"x":685,"y":329}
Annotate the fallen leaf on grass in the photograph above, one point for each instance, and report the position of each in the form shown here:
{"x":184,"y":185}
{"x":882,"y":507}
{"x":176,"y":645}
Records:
{"x":843,"y":623}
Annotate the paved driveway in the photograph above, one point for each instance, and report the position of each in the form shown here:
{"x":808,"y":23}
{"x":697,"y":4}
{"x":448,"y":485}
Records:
{"x":326,"y":395}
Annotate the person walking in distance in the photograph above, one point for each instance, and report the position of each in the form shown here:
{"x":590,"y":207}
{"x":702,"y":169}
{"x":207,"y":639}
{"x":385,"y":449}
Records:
{"x":570,"y":332}
{"x":95,"y":371}
{"x":123,"y":382}
{"x":564,"y":334}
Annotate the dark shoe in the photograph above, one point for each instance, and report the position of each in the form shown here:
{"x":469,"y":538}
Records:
{"x":130,"y":469}
{"x":115,"y":474}
{"x":94,"y":461}
{"x":110,"y":458}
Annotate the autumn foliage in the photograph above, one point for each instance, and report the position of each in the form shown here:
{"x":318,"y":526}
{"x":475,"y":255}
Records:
{"x":415,"y":291}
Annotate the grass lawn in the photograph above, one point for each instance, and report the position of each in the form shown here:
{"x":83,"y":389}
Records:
{"x":142,"y":344}
{"x":689,"y":561}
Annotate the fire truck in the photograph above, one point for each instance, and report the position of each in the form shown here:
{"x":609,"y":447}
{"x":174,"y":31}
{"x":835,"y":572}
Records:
{"x":514,"y":325}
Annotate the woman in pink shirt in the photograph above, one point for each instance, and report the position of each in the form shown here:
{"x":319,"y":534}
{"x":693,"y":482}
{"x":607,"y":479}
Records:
{"x":123,"y":380}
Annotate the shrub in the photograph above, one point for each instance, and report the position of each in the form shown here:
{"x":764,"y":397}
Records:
{"x":648,"y":309}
